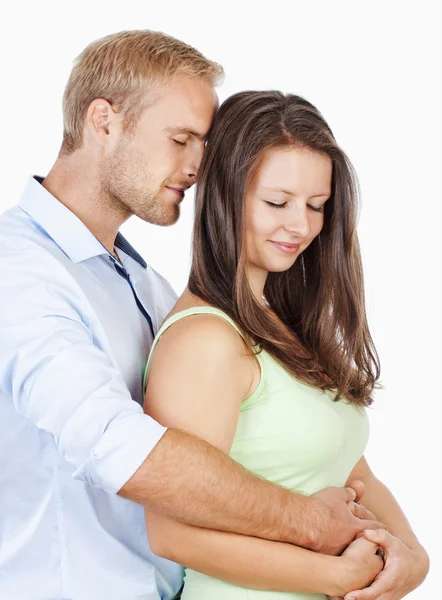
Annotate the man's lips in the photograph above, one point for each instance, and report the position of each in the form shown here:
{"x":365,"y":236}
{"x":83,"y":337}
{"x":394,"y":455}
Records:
{"x":286,"y":247}
{"x":178,"y":191}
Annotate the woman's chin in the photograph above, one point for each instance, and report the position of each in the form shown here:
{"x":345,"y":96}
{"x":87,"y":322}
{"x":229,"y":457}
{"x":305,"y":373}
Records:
{"x":281,"y":266}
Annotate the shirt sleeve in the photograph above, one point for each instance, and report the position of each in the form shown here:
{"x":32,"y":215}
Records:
{"x":54,"y":372}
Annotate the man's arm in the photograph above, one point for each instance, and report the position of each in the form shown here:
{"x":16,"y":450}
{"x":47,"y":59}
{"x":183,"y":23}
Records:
{"x":58,"y":378}
{"x":192,"y":481}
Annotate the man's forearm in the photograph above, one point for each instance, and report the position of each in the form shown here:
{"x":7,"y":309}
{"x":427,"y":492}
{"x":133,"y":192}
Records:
{"x":191,"y":481}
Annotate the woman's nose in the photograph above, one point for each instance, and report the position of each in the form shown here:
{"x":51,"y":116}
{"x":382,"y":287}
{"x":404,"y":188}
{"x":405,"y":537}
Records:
{"x":298,"y":223}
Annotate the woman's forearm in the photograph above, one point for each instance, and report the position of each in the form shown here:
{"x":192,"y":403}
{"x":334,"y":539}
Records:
{"x":380,"y":501}
{"x":246,"y":561}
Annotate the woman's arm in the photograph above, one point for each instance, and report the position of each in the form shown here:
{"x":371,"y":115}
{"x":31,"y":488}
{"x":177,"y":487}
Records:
{"x":259,"y":564}
{"x":407,"y":562}
{"x":200,"y":373}
{"x":379,"y":500}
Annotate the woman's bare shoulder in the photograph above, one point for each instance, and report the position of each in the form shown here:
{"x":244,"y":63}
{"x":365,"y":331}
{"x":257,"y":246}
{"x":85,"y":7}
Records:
{"x":202,"y":331}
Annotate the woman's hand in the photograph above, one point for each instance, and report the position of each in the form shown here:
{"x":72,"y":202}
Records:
{"x":404,"y":570}
{"x":358,"y":566}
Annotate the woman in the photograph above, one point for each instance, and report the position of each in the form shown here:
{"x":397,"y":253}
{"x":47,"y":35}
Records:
{"x":276,"y":364}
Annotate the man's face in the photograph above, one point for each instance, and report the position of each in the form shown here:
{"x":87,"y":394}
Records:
{"x":151,"y":166}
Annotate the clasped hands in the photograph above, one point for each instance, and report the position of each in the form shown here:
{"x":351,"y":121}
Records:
{"x":395,"y":569}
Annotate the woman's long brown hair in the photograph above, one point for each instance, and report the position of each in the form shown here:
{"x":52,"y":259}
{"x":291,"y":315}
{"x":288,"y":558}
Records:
{"x":317,"y":326}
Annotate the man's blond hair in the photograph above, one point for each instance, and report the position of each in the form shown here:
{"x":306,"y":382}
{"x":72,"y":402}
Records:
{"x":120,"y":68}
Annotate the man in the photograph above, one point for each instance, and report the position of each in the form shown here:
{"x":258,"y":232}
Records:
{"x":78,"y":311}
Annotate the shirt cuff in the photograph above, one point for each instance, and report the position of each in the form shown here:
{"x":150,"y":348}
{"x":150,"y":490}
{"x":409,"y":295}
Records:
{"x":121,"y":450}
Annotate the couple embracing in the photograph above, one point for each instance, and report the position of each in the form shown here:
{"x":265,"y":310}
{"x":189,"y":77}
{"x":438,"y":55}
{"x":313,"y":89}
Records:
{"x":220,"y":435}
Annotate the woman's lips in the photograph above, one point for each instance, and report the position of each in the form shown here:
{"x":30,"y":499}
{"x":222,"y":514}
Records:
{"x":286,"y":248}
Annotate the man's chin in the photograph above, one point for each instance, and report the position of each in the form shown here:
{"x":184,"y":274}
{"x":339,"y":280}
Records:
{"x":171,"y":221}
{"x":164,"y":219}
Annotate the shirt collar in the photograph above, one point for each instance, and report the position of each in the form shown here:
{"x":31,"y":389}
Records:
{"x":65,"y":228}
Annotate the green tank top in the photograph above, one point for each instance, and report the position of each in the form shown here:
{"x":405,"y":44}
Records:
{"x":290,"y":433}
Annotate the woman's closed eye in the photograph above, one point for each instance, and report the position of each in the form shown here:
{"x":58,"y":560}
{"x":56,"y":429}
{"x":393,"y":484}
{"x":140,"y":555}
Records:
{"x":181,"y":139}
{"x":284,"y":204}
{"x":275,"y":204}
{"x":316,"y":208}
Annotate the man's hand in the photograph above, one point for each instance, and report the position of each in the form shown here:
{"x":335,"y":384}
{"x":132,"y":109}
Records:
{"x":341,"y":519}
{"x":358,"y":509}
{"x":404,"y":570}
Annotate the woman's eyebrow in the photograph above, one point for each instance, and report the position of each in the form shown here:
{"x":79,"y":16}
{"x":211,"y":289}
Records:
{"x":278,"y":189}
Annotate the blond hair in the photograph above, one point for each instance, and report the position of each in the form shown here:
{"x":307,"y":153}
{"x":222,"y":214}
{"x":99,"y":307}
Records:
{"x":119,"y":68}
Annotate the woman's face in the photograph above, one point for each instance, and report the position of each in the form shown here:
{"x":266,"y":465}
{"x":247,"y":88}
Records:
{"x":285,"y":207}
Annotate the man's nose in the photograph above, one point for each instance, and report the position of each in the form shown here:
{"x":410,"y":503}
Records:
{"x":193,"y":161}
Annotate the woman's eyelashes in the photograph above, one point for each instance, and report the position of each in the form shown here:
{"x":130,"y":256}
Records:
{"x":316,"y":208}
{"x":284,"y":204}
{"x":181,"y":141}
{"x":275,"y":205}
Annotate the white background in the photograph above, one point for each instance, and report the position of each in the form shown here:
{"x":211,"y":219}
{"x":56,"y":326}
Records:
{"x":374,"y":71}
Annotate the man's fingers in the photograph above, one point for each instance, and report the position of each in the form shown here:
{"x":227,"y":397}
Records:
{"x":361,"y":512}
{"x":373,"y":526}
{"x":359,"y":489}
{"x":351,"y":494}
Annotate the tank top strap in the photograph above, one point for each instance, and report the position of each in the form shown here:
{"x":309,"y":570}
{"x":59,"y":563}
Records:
{"x":195,"y":310}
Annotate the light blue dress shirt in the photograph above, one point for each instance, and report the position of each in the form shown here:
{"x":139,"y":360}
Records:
{"x":73,"y":346}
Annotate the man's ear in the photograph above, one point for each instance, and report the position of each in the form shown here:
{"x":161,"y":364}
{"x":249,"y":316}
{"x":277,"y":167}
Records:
{"x":101,"y":122}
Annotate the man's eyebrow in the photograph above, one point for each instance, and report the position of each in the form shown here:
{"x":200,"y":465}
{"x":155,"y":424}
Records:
{"x":178,"y":130}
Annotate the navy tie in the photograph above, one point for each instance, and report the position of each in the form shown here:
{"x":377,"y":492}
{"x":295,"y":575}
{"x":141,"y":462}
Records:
{"x":123,"y":244}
